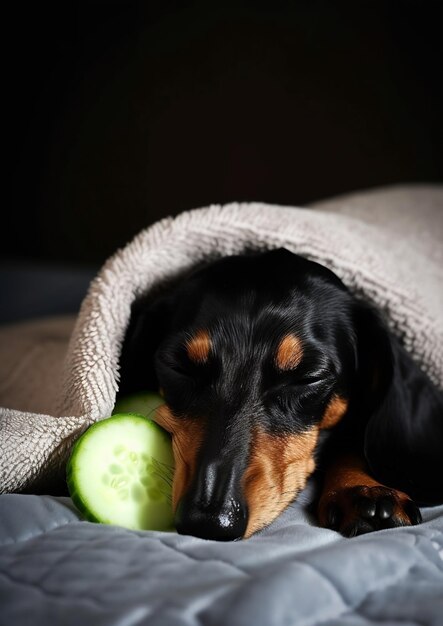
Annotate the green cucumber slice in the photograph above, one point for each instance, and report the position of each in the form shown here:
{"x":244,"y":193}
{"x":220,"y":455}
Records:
{"x":145,"y":403}
{"x":120,"y":472}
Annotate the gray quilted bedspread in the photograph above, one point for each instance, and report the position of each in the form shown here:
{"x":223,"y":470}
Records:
{"x":56,"y":569}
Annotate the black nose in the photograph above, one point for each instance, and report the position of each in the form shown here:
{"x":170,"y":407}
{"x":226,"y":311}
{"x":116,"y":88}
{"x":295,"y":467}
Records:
{"x":225,"y":522}
{"x":214,"y":506}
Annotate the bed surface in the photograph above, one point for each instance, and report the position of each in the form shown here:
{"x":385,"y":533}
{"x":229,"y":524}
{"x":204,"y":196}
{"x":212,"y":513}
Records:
{"x":57,"y":569}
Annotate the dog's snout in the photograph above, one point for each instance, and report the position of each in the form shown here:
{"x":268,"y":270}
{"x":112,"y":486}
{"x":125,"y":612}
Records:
{"x":222,"y":522}
{"x":213,"y":508}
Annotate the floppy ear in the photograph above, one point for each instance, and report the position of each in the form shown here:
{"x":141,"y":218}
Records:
{"x":147,"y":327}
{"x":403,"y":439}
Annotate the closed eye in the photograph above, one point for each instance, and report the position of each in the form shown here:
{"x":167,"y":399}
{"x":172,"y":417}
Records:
{"x":170,"y":362}
{"x":178,"y":369}
{"x":308,"y":383}
{"x":309,"y":380}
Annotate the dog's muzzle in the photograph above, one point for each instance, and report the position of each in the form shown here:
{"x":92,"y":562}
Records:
{"x":213,"y":507}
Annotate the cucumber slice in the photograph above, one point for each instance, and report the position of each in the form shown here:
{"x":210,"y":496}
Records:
{"x":144,"y":403}
{"x":120,"y":472}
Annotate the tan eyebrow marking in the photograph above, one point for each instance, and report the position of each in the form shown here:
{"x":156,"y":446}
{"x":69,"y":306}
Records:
{"x":199,"y":346}
{"x":335,"y":410}
{"x":289,"y":353}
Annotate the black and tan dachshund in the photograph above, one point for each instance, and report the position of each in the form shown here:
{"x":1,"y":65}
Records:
{"x":271,"y":369}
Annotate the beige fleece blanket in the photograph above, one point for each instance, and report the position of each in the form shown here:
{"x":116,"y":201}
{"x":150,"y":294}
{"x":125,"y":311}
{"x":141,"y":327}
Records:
{"x":386,"y":245}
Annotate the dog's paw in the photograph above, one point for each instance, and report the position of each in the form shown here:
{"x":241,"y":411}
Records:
{"x":357,"y":510}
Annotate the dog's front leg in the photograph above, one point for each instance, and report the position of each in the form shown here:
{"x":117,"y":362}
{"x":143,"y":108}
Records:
{"x":353,"y":503}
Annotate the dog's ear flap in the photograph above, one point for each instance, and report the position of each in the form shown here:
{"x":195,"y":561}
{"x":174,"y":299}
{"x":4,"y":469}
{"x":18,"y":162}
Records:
{"x":404,"y":429}
{"x":147,"y":327}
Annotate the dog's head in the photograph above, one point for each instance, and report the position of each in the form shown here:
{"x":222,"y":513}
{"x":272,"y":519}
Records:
{"x":255,"y":356}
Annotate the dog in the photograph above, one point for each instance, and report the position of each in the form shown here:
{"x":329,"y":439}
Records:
{"x":270,"y":370}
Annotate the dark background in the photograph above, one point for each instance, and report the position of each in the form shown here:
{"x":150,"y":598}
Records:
{"x":120,"y":113}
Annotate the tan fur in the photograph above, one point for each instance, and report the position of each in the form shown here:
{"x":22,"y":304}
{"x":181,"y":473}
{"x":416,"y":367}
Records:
{"x":289,"y":353}
{"x":199,"y":346}
{"x":349,"y":471}
{"x":187,"y":437}
{"x":335,"y":410}
{"x":277,"y":471}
